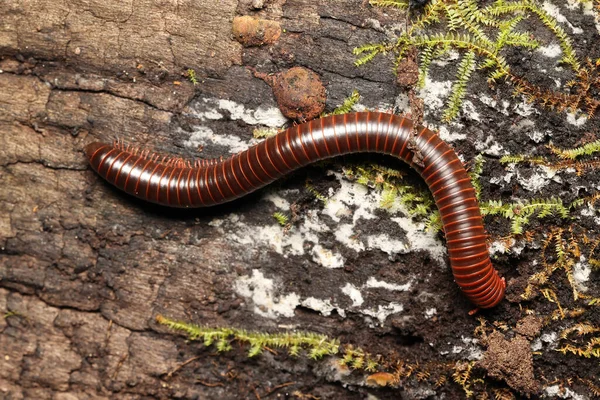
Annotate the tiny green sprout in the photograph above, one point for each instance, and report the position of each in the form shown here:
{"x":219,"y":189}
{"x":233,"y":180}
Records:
{"x":264,"y":133}
{"x":223,"y":345}
{"x":358,"y":362}
{"x":294,"y":350}
{"x":9,"y":314}
{"x":281,"y":218}
{"x":348,"y":103}
{"x":255,"y":349}
{"x":372,"y":364}
{"x":311,"y":189}
{"x":191,"y":74}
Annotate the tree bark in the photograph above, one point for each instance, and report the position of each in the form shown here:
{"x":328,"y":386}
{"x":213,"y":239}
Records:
{"x":85,"y":269}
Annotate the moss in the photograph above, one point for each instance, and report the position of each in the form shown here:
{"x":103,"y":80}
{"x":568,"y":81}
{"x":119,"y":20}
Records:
{"x":482,"y":34}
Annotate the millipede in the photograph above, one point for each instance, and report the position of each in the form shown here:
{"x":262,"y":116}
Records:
{"x":175,"y":182}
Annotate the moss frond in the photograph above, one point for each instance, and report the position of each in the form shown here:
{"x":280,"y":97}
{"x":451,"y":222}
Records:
{"x":572,"y":154}
{"x":462,"y":376}
{"x":581,"y":329}
{"x":569,"y":56}
{"x":426,"y":55}
{"x":312,"y":190}
{"x":520,"y":158}
{"x":418,"y":204}
{"x":478,"y":32}
{"x":281,"y":218}
{"x":264,"y":133}
{"x":563,"y":248}
{"x":475,"y":174}
{"x":316,"y":345}
{"x":501,"y":7}
{"x":520,"y":212}
{"x":590,"y":349}
{"x":191,"y":74}
{"x":401,"y":4}
{"x":368,"y":52}
{"x":348,"y":103}
{"x":459,"y":88}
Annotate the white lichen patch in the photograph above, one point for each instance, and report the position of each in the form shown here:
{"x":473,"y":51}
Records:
{"x":554,"y":11}
{"x":434,"y":93}
{"x":469,"y":110}
{"x":524,"y":108}
{"x":215,"y":109}
{"x":350,"y":194}
{"x":472,"y":349}
{"x":354,"y":293}
{"x":563,"y":392}
{"x":536,"y":345}
{"x":539,"y":178}
{"x":536,"y":136}
{"x":272,"y":236}
{"x":588,"y":9}
{"x":456,"y":349}
{"x":345,"y":234}
{"x":373,"y":283}
{"x":581,"y":274}
{"x":420,"y":239}
{"x":211,"y":114}
{"x":387,"y":244}
{"x":430,"y":312}
{"x":448,"y":136}
{"x":262,"y":292}
{"x":506,"y":178}
{"x":550,"y":339}
{"x":490,"y":146}
{"x":575,"y":120}
{"x":202,"y":136}
{"x":552,"y":50}
{"x":323,"y":306}
{"x":501,"y":246}
{"x":381,"y":107}
{"x":511,"y":246}
{"x":277,"y":200}
{"x":353,"y":195}
{"x":448,"y":57}
{"x":348,"y":207}
{"x":326,"y":257}
{"x":267,"y":116}
{"x":383,"y":311}
{"x":490,"y":102}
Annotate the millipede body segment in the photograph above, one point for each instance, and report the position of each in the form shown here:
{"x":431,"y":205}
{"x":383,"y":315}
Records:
{"x":176,"y":183}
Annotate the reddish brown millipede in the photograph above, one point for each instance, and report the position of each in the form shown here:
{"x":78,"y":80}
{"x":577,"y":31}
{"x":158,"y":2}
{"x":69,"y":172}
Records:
{"x":178,"y":183}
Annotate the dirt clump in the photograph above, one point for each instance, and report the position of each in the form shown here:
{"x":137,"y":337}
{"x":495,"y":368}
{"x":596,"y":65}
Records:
{"x":251,"y":31}
{"x":530,"y":326}
{"x":299,"y":92}
{"x":511,"y":361}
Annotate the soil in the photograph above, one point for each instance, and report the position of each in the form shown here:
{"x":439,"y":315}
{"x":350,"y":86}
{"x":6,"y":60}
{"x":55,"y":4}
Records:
{"x":85,"y":269}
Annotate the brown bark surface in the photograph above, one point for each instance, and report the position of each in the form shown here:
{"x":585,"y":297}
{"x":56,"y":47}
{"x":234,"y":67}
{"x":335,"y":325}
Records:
{"x":85,"y":269}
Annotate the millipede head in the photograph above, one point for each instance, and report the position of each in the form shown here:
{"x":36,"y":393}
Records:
{"x":92,"y":148}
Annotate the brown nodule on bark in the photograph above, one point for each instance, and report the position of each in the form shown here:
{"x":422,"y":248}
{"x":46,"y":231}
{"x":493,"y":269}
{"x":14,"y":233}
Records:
{"x":251,"y":31}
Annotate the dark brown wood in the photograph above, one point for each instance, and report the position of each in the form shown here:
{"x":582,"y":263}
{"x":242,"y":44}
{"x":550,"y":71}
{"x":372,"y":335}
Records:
{"x":85,"y":269}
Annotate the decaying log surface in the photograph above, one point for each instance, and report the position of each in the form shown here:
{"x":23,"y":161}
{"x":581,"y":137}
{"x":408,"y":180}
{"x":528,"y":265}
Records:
{"x":85,"y":269}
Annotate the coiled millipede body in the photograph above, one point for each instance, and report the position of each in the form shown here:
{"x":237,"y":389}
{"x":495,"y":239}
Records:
{"x":176,"y":183}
